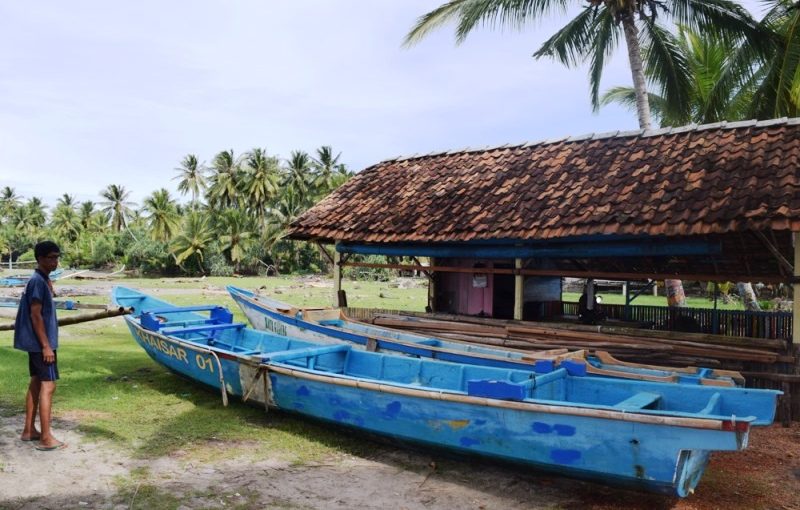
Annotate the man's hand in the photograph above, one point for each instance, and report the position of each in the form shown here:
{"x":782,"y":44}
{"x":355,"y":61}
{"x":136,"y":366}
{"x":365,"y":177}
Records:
{"x":48,"y":355}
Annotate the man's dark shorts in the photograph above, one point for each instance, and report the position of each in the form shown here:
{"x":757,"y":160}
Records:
{"x":38,"y":368}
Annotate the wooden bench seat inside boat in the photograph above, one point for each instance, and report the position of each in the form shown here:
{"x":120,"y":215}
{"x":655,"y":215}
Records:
{"x":322,"y":314}
{"x":641,"y":400}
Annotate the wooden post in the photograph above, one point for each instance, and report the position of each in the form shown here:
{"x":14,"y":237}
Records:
{"x":337,"y":274}
{"x":432,"y":287}
{"x":715,"y":320}
{"x":796,"y":290}
{"x":626,"y":291}
{"x":519,"y":281}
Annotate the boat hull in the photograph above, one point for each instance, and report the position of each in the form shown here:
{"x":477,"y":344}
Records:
{"x":264,"y":318}
{"x":655,"y":453}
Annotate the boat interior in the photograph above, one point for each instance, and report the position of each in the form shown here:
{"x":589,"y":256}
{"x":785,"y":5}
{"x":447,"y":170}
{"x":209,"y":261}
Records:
{"x":220,"y":332}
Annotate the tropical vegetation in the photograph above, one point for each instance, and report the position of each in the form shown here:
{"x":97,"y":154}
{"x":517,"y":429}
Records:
{"x":235,"y":219}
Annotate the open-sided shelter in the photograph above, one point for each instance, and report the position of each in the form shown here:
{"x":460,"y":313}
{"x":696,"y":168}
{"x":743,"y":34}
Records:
{"x":715,"y":202}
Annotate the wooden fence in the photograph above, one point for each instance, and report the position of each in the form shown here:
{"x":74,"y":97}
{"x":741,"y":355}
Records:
{"x":738,"y":323}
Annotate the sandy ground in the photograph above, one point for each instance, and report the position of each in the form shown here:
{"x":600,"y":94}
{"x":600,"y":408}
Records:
{"x":84,"y":475}
{"x":88,"y":474}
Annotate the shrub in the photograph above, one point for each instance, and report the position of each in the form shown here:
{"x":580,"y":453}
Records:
{"x":218,"y":266}
{"x":148,"y":256}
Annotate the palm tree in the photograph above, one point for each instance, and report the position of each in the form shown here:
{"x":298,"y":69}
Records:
{"x":192,"y":177}
{"x":27,"y":221}
{"x":116,"y":203}
{"x":97,"y":222}
{"x":194,"y":239}
{"x":777,"y":71}
{"x":85,"y":212}
{"x":706,"y":60}
{"x":288,"y":207}
{"x":297,"y":176}
{"x":163,"y":220}
{"x":66,"y":200}
{"x":9,"y":201}
{"x":327,"y":167}
{"x":65,"y":222}
{"x":594,"y":34}
{"x":36,"y":212}
{"x":261,"y":180}
{"x":236,"y":234}
{"x":223,"y":190}
{"x":709,"y":60}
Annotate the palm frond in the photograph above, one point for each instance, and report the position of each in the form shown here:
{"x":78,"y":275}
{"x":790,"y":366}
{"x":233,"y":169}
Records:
{"x":667,"y":68}
{"x":724,"y":18}
{"x":470,"y":14}
{"x":572,"y":43}
{"x":606,"y":38}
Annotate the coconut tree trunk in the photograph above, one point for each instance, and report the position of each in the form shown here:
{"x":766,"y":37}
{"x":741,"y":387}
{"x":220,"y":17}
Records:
{"x":748,"y":295}
{"x":637,"y":69}
{"x":674,"y":288}
{"x":676,"y":296}
{"x":675,"y":293}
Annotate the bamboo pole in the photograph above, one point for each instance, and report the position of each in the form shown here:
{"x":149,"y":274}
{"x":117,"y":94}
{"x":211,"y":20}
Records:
{"x":84,"y":317}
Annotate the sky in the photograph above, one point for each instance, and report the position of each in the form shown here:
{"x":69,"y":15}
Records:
{"x":94,"y":93}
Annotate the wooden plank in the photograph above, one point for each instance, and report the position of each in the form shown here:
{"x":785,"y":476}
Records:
{"x":789,"y":378}
{"x":766,"y":343}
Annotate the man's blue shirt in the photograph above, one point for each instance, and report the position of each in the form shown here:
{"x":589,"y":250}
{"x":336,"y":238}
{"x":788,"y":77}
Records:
{"x":37,"y":289}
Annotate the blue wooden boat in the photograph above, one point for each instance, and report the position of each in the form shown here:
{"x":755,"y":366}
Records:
{"x":643,"y":434}
{"x":20,"y":280}
{"x":331,"y":324}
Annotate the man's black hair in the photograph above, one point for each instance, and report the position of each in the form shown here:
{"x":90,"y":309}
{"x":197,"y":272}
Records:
{"x":45,"y":248}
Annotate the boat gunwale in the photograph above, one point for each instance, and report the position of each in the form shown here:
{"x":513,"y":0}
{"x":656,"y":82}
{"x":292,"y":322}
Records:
{"x":708,"y":423}
{"x":522,"y":360}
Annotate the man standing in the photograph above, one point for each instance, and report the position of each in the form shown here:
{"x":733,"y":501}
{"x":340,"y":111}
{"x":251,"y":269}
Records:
{"x":36,"y":332}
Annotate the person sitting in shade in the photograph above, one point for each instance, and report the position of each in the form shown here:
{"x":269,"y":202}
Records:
{"x":588,"y":312}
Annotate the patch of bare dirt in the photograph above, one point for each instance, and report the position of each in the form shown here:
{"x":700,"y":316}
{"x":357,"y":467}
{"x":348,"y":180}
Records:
{"x":87,"y":475}
{"x":766,"y":475}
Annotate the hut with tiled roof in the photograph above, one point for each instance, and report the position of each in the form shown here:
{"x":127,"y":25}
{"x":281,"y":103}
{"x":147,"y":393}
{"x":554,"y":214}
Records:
{"x":715,"y":202}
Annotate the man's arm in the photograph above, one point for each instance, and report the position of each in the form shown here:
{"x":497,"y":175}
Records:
{"x":38,"y":328}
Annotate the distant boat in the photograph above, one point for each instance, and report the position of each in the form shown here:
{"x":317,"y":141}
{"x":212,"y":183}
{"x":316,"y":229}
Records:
{"x":20,"y":280}
{"x":331,"y":324}
{"x":642,"y":434}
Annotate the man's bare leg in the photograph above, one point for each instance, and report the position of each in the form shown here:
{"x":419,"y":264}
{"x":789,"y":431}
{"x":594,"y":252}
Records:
{"x":45,"y":409}
{"x":29,"y":432}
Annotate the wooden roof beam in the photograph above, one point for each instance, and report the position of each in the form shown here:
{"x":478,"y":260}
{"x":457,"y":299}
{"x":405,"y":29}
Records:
{"x":575,"y":274}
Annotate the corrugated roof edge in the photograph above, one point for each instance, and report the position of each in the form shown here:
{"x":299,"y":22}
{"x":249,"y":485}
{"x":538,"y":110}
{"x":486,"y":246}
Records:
{"x":794,"y":121}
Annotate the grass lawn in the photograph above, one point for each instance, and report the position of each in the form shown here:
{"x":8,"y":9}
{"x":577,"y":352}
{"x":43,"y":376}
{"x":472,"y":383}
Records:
{"x":115,"y":391}
{"x":650,"y":300}
{"x":299,"y":291}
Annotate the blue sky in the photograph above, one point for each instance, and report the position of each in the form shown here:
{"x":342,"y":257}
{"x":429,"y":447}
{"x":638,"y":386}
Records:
{"x":94,"y":93}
